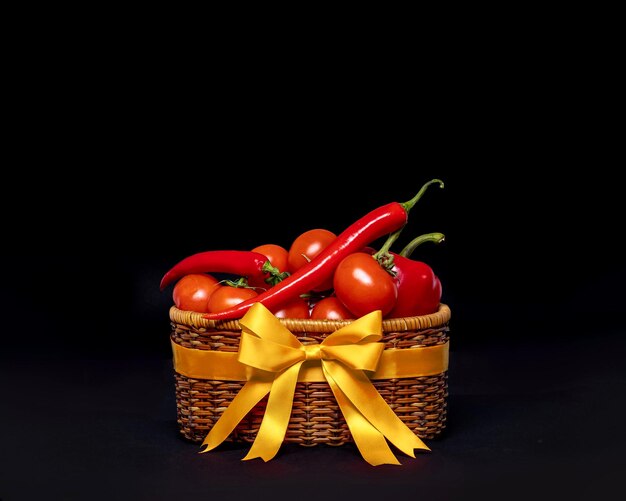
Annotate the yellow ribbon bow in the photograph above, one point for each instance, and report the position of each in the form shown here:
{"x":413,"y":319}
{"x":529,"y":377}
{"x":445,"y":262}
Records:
{"x":275,"y":357}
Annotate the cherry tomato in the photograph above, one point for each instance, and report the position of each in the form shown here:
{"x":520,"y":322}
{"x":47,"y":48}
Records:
{"x":297,"y":308}
{"x":363,"y":286}
{"x":192,"y":292}
{"x":330,"y":308}
{"x":228,"y":296}
{"x":308,"y":245}
{"x":277,"y":256}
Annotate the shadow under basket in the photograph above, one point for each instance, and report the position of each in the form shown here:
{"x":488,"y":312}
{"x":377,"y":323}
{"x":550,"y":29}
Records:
{"x":420,"y":402}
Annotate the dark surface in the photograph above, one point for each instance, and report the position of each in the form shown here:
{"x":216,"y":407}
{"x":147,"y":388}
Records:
{"x":531,"y":267}
{"x":526,"y":420}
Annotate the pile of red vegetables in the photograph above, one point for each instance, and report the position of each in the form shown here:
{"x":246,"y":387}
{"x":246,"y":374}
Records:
{"x":320,"y":276}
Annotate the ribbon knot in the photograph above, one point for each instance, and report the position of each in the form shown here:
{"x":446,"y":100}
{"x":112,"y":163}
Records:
{"x":275,"y":356}
{"x":313,"y":352}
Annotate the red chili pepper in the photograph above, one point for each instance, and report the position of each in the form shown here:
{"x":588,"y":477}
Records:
{"x":377,"y":223}
{"x":419,"y":289}
{"x":242,"y":263}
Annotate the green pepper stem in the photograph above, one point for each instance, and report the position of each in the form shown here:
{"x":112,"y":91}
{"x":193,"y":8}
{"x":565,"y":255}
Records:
{"x":409,"y":205}
{"x":383,"y":255}
{"x":384,"y":250}
{"x":417,"y":241}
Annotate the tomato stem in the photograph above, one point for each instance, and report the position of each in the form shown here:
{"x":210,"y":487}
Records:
{"x":417,"y":241}
{"x":275,"y":275}
{"x":239,"y":283}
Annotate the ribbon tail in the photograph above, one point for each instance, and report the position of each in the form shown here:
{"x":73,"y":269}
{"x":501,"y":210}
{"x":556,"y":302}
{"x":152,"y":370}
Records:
{"x":277,"y":414}
{"x":252,"y":392}
{"x":370,"y":442}
{"x":360,"y":391}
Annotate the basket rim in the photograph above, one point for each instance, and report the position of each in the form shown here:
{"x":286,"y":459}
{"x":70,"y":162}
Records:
{"x":403,"y":324}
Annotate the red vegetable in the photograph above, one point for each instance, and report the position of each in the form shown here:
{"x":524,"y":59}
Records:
{"x":377,"y":223}
{"x":363,"y":285}
{"x":192,"y":292}
{"x":330,"y":308}
{"x":296,"y":308}
{"x":230,"y":295}
{"x":278,"y":259}
{"x":308,"y":245}
{"x":252,"y":265}
{"x":419,"y":289}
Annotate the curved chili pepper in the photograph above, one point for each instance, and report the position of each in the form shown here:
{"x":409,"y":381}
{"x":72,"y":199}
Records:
{"x":419,"y":289}
{"x":377,"y":223}
{"x":243,"y":263}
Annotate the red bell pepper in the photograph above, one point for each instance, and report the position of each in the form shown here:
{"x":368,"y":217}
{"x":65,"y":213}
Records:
{"x":419,"y":289}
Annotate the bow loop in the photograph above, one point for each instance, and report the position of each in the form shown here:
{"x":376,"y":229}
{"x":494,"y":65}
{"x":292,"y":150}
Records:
{"x":365,"y":329}
{"x":267,"y":355}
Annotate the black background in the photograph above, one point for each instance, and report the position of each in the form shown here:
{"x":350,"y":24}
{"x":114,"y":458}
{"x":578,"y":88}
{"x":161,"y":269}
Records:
{"x":118,"y":163}
{"x":532,"y":268}
{"x":525,"y":248}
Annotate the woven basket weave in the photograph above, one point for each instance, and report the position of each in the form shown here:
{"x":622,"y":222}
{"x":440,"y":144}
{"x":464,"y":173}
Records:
{"x":420,"y":402}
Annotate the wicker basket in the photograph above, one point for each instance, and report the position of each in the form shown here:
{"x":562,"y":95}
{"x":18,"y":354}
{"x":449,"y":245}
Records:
{"x":420,"y":402}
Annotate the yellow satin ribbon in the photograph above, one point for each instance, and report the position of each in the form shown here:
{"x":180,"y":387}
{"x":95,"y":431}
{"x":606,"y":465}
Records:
{"x":274,"y":357}
{"x":393,"y":363}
